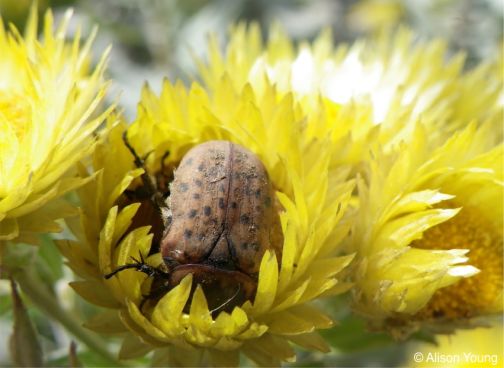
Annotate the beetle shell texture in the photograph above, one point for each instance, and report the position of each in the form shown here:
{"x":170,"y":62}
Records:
{"x":224,"y":216}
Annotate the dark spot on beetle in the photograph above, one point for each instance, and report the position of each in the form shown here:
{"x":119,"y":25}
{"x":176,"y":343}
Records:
{"x":192,"y":213}
{"x":198,"y":182}
{"x":201,"y":236}
{"x":294,"y":265}
{"x":234,"y":205}
{"x":201,"y":167}
{"x":258,"y":208}
{"x":196,"y":196}
{"x":222,"y":203}
{"x":187,"y":233}
{"x":184,"y":187}
{"x":244,"y":219}
{"x":189,"y":162}
{"x":222,"y":189}
{"x":257,"y":193}
{"x":254,"y":246}
{"x":237,"y":175}
{"x":267,"y":201}
{"x":438,"y":313}
{"x":207,"y":210}
{"x":244,"y":246}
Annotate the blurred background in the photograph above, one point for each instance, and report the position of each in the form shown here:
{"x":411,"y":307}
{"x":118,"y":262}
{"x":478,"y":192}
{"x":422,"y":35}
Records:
{"x":153,"y":39}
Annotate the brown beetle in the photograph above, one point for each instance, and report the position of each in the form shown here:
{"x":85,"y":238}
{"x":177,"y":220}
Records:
{"x":220,"y":219}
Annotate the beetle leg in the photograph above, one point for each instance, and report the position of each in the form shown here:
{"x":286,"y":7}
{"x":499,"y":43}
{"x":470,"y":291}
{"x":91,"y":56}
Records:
{"x":140,"y":266}
{"x":146,"y":156}
{"x":122,"y":268}
{"x":156,"y":197}
{"x":163,"y":158}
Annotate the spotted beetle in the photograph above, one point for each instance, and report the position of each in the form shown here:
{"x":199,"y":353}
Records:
{"x":220,"y":218}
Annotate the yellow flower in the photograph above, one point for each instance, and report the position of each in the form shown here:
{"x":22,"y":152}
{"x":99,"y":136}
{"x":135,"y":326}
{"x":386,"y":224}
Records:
{"x":374,"y":96}
{"x":390,"y":81}
{"x":429,"y":233}
{"x":48,"y":103}
{"x":375,"y":15}
{"x":313,"y":207}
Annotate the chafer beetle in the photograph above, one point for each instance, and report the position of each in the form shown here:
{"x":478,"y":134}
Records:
{"x":220,"y":218}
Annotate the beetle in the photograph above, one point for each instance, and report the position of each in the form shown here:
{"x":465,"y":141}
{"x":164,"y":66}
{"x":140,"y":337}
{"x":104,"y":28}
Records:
{"x":220,"y":218}
{"x":151,"y":196}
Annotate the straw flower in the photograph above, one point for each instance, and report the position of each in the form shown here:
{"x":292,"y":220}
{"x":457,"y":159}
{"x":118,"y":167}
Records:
{"x":48,"y":102}
{"x":117,"y":227}
{"x":391,"y":81}
{"x":404,"y":116}
{"x":429,"y":233}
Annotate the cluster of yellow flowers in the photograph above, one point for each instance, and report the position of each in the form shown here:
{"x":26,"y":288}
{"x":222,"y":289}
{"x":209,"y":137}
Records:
{"x":49,"y":100}
{"x":386,"y":158}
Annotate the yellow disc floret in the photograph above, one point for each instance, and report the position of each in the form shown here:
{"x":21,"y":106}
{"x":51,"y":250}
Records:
{"x":469,"y":229}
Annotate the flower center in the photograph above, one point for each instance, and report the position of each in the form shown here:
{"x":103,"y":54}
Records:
{"x":469,"y":229}
{"x":15,"y":110}
{"x":15,"y":126}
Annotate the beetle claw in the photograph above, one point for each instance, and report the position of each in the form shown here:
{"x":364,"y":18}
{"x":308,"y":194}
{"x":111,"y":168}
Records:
{"x":146,"y":156}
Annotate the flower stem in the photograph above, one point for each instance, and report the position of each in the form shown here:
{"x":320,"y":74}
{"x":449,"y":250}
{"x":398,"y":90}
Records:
{"x":38,"y":294}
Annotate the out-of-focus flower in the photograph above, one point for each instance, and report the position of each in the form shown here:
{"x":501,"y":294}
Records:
{"x":480,"y":347}
{"x":429,"y":233}
{"x":48,"y":103}
{"x":402,"y":101}
{"x":16,"y":11}
{"x":372,"y":16}
{"x":313,"y":205}
{"x":390,"y":81}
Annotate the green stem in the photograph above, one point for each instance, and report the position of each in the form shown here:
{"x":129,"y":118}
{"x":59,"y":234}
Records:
{"x":38,"y":294}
